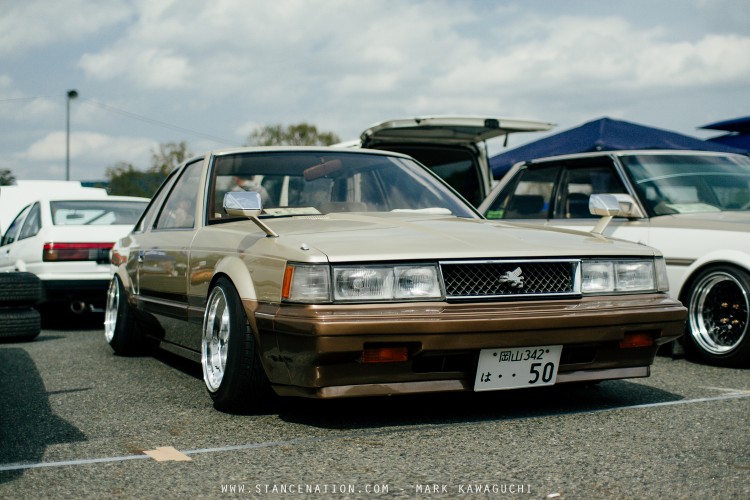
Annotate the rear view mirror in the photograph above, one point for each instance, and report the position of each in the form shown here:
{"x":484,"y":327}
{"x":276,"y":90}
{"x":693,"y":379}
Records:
{"x":613,"y":205}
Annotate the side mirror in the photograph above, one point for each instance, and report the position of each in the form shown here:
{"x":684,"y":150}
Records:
{"x":613,"y":205}
{"x":243,"y":203}
{"x":247,"y":204}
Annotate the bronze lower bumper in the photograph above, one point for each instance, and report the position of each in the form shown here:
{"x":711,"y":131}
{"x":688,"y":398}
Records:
{"x":316,"y":350}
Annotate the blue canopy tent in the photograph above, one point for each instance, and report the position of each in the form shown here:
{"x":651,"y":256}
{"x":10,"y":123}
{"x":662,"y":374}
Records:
{"x":604,"y":134}
{"x":738,"y":136}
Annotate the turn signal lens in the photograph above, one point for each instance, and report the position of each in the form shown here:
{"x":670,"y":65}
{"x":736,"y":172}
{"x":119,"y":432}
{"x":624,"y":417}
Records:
{"x":636,"y":340}
{"x":385,"y":354}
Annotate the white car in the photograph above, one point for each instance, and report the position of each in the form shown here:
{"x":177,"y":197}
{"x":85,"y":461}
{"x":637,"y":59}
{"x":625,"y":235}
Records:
{"x":454,"y":147}
{"x":693,"y":206}
{"x":66,"y":242}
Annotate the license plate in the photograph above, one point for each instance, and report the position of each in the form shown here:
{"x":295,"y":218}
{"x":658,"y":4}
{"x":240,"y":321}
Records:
{"x":517,"y":367}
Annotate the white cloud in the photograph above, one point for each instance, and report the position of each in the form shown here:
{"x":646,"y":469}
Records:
{"x":31,"y":24}
{"x":90,"y":147}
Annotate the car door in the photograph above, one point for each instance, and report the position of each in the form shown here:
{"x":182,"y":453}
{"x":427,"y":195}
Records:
{"x":26,"y":252}
{"x":162,"y":258}
{"x":556,"y":194}
{"x":9,"y":241}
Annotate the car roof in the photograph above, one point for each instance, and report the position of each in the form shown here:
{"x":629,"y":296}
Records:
{"x":662,"y":152}
{"x":449,"y":129}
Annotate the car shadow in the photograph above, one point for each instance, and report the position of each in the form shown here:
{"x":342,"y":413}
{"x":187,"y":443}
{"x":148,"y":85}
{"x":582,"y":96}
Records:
{"x":64,"y":320}
{"x":461,"y":407}
{"x":27,"y":423}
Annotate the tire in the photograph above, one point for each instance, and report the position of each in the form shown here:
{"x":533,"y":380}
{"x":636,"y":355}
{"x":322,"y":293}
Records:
{"x":718,"y":328}
{"x":232,"y":370}
{"x":122,"y":332}
{"x":19,"y":289}
{"x":20,"y":324}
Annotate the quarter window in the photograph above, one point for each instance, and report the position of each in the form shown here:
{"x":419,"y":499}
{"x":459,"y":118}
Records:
{"x":33,"y":223}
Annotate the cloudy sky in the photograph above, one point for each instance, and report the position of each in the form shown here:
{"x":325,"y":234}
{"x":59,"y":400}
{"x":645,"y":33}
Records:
{"x":209,"y":72}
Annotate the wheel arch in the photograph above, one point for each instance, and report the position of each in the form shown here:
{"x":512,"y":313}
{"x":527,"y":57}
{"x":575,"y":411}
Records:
{"x":728,"y":258}
{"x":236,"y":271}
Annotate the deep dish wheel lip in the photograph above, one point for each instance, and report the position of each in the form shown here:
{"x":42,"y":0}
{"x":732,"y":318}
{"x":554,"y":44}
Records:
{"x":111,"y":310}
{"x":697,"y":323}
{"x":215,"y":339}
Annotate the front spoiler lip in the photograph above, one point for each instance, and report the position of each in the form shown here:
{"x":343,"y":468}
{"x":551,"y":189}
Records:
{"x":423,"y":387}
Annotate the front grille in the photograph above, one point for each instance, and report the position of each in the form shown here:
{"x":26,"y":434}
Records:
{"x":501,"y":279}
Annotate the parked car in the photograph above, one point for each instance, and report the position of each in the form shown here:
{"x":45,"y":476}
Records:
{"x":454,"y":147}
{"x":65,"y":240}
{"x":16,"y":196}
{"x":350,"y":272}
{"x":693,"y":206}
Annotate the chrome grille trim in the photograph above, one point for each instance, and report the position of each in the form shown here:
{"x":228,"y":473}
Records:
{"x":499,"y":279}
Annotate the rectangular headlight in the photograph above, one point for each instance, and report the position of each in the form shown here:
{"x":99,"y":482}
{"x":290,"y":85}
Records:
{"x":382,"y":283}
{"x":618,"y":276}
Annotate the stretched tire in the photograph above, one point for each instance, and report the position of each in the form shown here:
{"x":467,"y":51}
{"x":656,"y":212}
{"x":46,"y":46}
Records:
{"x":718,"y":330}
{"x":121,"y":330}
{"x":19,"y":289}
{"x":20,"y":324}
{"x":232,"y":369}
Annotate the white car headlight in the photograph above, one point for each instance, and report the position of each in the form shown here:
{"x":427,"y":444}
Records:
{"x":310,"y":283}
{"x":400,"y":282}
{"x":618,"y":276}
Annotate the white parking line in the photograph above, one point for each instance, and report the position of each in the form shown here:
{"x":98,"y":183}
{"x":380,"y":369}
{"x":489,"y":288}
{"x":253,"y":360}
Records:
{"x":734,"y":394}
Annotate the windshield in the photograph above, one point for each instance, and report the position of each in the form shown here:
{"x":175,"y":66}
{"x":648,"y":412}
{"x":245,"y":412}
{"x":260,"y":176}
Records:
{"x":672,"y":184}
{"x":96,"y":212}
{"x":309,"y":183}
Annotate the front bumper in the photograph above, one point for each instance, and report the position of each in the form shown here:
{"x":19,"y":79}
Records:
{"x":316,"y":350}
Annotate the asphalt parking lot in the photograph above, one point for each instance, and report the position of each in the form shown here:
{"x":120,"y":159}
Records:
{"x":77,"y":421}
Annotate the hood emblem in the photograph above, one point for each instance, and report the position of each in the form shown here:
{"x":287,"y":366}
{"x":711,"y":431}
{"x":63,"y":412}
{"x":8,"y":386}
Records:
{"x":514,"y":278}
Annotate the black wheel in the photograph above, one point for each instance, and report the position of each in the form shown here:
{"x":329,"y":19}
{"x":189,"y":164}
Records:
{"x":121,"y":330}
{"x":19,"y":289}
{"x":19,"y":324}
{"x":232,"y":370}
{"x":718,"y":316}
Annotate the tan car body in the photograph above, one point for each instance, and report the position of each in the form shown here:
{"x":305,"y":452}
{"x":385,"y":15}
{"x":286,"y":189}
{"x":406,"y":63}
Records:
{"x":316,"y":350}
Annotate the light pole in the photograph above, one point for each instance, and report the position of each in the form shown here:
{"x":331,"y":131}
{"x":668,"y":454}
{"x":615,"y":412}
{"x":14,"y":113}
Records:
{"x":72,"y":94}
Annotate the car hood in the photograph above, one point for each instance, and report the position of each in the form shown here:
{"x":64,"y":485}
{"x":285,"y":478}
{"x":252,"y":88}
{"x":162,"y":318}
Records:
{"x":717,"y":221}
{"x":406,"y":236}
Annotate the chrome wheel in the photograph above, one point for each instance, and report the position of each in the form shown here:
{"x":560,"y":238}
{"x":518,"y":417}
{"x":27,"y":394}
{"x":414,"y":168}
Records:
{"x":110,"y":313}
{"x":718,"y":313}
{"x":215,"y":340}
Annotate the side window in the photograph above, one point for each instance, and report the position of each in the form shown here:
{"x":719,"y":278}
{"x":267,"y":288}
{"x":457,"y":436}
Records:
{"x":578,"y":184}
{"x":33,"y":223}
{"x":179,"y":210}
{"x":12,"y":233}
{"x":528,"y":197}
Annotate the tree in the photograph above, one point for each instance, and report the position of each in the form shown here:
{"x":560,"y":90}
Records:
{"x":126,"y":180}
{"x":169,"y":156}
{"x":300,"y":134}
{"x":6,"y":177}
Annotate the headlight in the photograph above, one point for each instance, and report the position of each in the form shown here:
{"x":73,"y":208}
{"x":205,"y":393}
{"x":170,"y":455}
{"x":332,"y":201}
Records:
{"x":314,"y":283}
{"x":618,"y":276}
{"x":402,"y":282}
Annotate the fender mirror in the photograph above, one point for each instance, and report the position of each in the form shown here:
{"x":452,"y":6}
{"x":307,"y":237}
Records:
{"x":613,"y":205}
